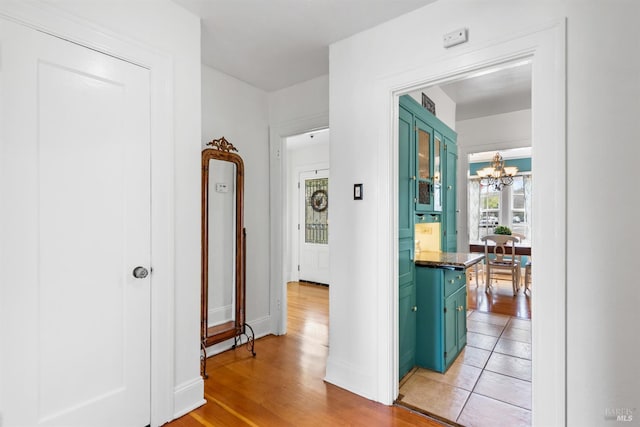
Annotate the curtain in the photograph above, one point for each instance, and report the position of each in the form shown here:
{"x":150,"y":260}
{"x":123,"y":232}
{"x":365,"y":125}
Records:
{"x":527,"y":203}
{"x":473,"y":209}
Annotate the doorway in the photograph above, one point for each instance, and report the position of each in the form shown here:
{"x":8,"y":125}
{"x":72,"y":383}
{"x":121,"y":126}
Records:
{"x":306,"y":155}
{"x":488,"y":208}
{"x":490,"y":110}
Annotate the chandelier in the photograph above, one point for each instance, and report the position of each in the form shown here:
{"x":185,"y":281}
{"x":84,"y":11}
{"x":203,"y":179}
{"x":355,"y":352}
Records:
{"x":497,"y":175}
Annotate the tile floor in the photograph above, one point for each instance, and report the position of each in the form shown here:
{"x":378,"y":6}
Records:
{"x":489,"y":384}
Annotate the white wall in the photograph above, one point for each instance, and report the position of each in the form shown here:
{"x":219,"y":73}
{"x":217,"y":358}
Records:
{"x":602,"y":66}
{"x":239,"y":112}
{"x":445,"y":107}
{"x":169,"y":30}
{"x":308,"y":155}
{"x":299,"y":102}
{"x":489,"y":133}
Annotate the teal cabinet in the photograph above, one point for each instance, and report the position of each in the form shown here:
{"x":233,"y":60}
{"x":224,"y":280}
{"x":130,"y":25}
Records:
{"x":441,"y":329}
{"x":406,"y":168}
{"x":407,"y":337}
{"x":426,"y":193}
{"x":431,"y":165}
{"x":406,"y":267}
{"x":450,"y":226}
{"x":455,"y":325}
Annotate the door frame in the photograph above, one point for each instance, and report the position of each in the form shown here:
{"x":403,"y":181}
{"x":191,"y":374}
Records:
{"x":50,"y":20}
{"x":546,"y":47}
{"x":278,"y":202}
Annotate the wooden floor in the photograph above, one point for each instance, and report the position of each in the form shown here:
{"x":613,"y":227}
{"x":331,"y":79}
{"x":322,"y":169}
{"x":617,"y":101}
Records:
{"x":499,"y":299}
{"x":283,"y":385}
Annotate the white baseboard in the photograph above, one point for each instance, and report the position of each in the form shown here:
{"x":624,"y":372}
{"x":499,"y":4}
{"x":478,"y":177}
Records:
{"x":349,"y":377}
{"x":188,"y":396}
{"x":292,"y":276}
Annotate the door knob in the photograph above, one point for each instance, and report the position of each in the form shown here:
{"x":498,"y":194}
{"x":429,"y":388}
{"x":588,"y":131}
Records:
{"x":414,"y":308}
{"x":140,"y":272}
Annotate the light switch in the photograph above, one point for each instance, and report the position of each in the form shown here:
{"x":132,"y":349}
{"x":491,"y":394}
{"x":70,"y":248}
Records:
{"x":357,"y":191}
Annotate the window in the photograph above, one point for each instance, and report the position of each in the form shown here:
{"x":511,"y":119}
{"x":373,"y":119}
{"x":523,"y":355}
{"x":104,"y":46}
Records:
{"x":316,"y":224}
{"x":489,"y":208}
{"x":519,"y":211}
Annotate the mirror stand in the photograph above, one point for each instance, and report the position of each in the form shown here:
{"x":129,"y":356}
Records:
{"x":223,"y":262}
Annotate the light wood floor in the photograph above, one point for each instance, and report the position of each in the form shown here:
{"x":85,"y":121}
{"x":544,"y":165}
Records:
{"x":283,"y":385}
{"x":499,"y":299}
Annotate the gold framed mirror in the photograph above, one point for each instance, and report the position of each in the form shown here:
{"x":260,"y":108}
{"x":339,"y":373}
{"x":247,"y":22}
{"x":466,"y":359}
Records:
{"x":223,"y":249}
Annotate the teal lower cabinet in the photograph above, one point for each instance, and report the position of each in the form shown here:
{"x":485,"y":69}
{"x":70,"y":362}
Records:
{"x":441,"y":321}
{"x":407,"y":338}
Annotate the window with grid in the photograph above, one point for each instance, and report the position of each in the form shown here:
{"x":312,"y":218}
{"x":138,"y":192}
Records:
{"x":316,"y":224}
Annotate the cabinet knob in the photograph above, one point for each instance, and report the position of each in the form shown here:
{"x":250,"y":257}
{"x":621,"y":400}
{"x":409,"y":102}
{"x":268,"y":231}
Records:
{"x":451,"y":281}
{"x":413,"y":177}
{"x":458,"y":277}
{"x":414,"y":308}
{"x":460,"y":308}
{"x":449,"y":187}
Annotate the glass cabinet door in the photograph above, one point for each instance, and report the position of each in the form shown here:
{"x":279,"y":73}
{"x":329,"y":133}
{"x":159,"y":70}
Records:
{"x":424,"y":190}
{"x":438,"y":145}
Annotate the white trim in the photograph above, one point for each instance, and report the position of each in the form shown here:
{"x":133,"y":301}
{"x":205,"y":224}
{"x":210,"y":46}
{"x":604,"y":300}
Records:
{"x":350,"y":377}
{"x":546,"y":46}
{"x":188,"y":396}
{"x":278,"y":208}
{"x":48,"y":19}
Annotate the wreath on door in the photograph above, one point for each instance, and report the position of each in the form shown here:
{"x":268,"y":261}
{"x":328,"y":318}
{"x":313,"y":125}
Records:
{"x":319,"y":200}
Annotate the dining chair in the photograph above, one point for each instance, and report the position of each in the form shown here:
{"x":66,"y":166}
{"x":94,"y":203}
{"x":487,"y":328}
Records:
{"x":500,"y":255}
{"x":520,"y":260}
{"x":527,"y":277}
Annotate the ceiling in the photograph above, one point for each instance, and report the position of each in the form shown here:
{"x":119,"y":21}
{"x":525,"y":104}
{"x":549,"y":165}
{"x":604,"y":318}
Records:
{"x":273,"y":44}
{"x":493,"y":91}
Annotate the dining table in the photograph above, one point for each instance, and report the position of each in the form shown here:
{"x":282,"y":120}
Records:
{"x":522,"y":248}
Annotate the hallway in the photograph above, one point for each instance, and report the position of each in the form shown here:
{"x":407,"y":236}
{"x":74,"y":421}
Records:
{"x":283,"y":385}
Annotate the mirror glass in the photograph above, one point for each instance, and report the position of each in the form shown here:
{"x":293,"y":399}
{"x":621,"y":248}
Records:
{"x":222,"y":245}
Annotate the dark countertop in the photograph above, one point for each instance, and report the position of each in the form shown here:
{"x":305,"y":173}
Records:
{"x":457,"y":260}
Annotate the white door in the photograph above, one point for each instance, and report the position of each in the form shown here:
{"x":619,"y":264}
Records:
{"x":74,"y":223}
{"x":313,"y":259}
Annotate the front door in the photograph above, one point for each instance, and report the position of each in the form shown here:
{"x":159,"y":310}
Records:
{"x":74,"y":224}
{"x":313,"y":263}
